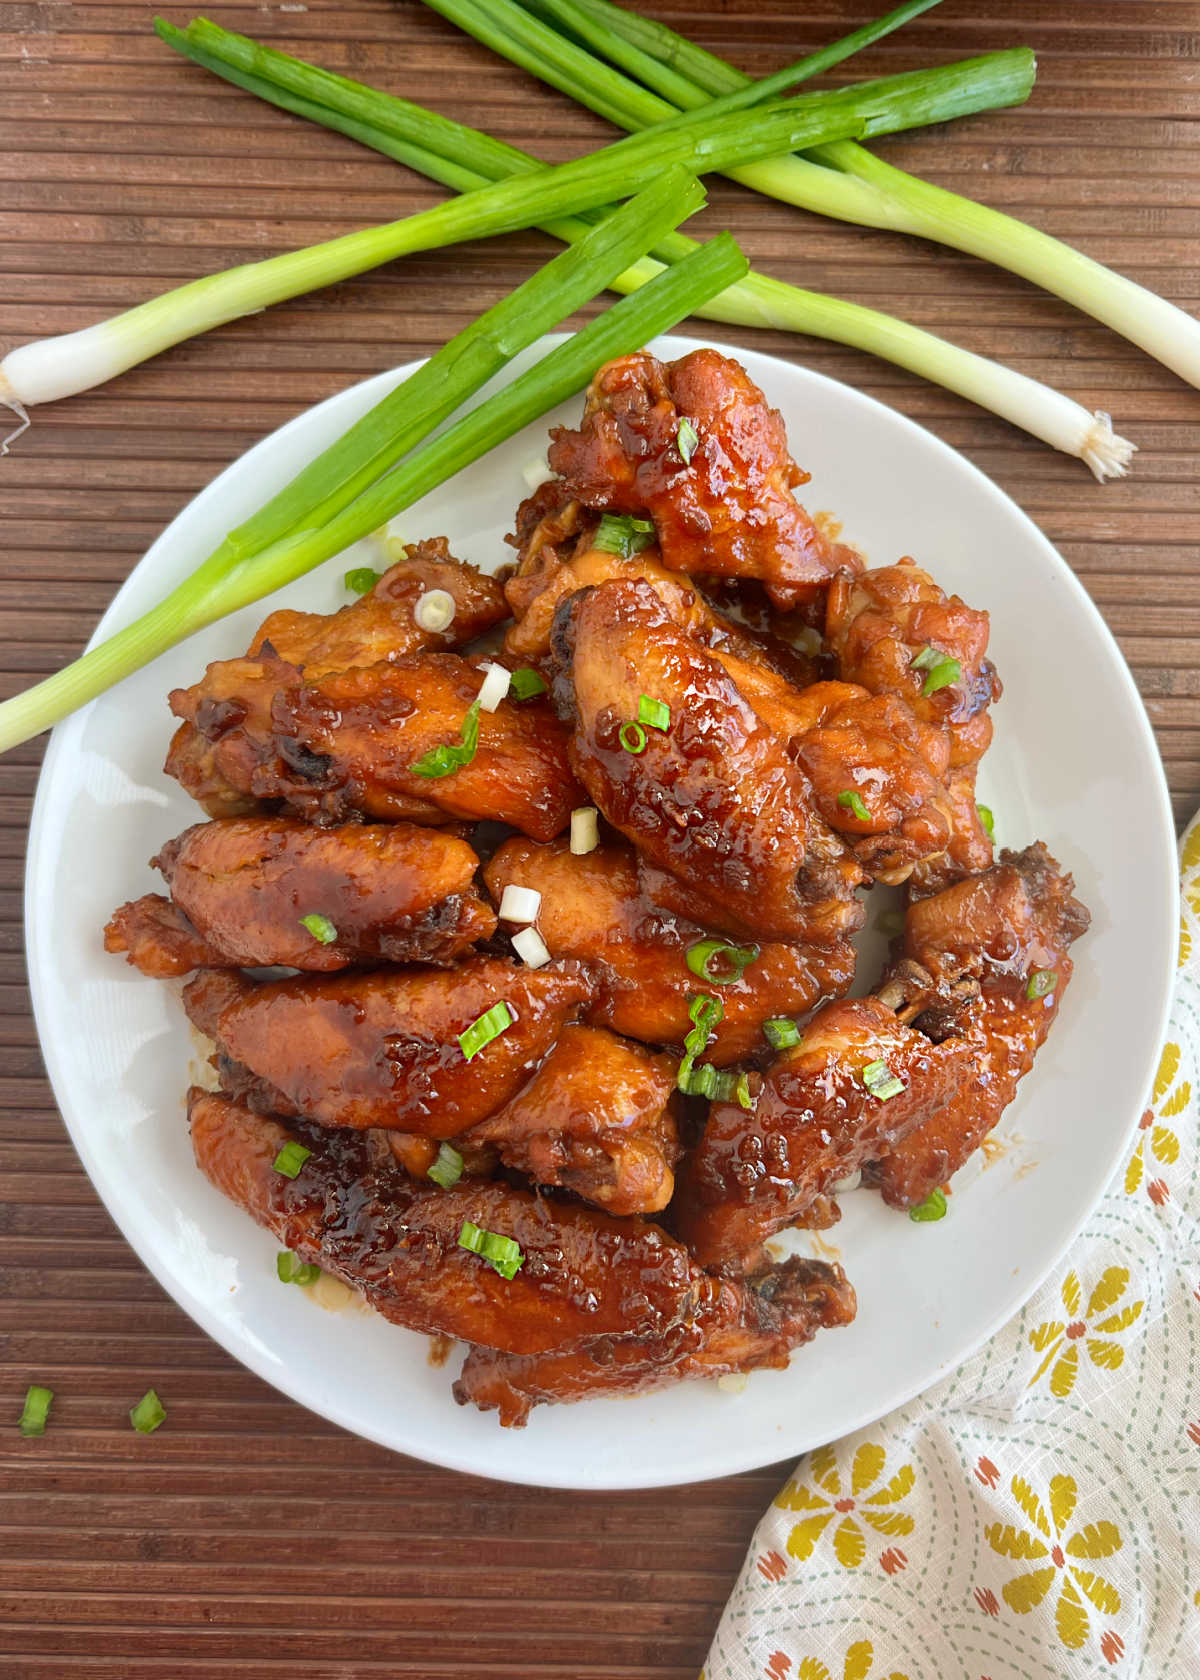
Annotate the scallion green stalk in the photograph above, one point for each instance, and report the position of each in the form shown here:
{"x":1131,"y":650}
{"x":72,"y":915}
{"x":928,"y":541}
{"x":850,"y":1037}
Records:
{"x":202,"y":598}
{"x":757,"y":301}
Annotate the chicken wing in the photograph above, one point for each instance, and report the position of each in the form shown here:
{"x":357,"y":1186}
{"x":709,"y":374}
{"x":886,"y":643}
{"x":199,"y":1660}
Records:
{"x":593,"y":909}
{"x":694,"y":444}
{"x":191,"y":760}
{"x":712,"y":800}
{"x":396,"y":1239}
{"x":157,"y":939}
{"x":736,"y":1326}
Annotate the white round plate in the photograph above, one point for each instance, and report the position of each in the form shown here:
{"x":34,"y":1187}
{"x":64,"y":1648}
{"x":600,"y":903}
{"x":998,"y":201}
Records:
{"x":1074,"y":764}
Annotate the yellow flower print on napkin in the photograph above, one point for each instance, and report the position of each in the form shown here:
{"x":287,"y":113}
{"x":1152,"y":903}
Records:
{"x":857,"y":1666}
{"x":1065,"y":1570}
{"x":826,"y":1498}
{"x":1159,"y":1142}
{"x":1060,"y":1339}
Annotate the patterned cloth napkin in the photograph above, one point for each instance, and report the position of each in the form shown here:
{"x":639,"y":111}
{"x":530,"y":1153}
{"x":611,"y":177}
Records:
{"x":1036,"y":1516}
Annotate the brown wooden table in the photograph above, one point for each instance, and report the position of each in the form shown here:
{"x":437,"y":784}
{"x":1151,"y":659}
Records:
{"x":247,"y":1537}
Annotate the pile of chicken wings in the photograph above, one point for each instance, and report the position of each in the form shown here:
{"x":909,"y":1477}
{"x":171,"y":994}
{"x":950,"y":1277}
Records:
{"x":571,"y":1150}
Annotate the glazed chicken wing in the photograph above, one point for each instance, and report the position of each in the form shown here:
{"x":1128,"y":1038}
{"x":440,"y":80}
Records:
{"x":736,"y":1326}
{"x":695,"y":445}
{"x":394,"y":893}
{"x":582,"y":1273}
{"x":713,"y":801}
{"x":593,"y":908}
{"x":157,"y":939}
{"x":192,"y":761}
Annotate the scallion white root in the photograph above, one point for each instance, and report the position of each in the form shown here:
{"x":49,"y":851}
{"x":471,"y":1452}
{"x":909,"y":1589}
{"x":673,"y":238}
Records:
{"x":496,"y":683}
{"x":585,"y":830}
{"x":519,"y":904}
{"x":531,"y":948}
{"x":9,"y":400}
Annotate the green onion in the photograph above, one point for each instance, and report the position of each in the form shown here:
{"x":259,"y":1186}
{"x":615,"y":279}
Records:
{"x":321,"y":928}
{"x":633,"y":738}
{"x":525,"y":683}
{"x":502,"y":1253}
{"x":945,"y":672}
{"x":933,"y":1207}
{"x":891,"y":923}
{"x":741,"y":1091}
{"x":291,"y":1158}
{"x":733,"y":959}
{"x":148,"y":1413}
{"x":36,"y":1410}
{"x":687,"y":440}
{"x":655,"y":714}
{"x":359,"y":579}
{"x":706,"y":1012}
{"x":482,"y":1031}
{"x":881,"y":1081}
{"x":1041,"y":983}
{"x":782,"y":1034}
{"x":988,"y":821}
{"x":926,"y":659}
{"x":852,"y":802}
{"x":447,"y":1169}
{"x":621,"y":533}
{"x":289,"y":1268}
{"x":444,"y":760}
{"x":463,"y":159}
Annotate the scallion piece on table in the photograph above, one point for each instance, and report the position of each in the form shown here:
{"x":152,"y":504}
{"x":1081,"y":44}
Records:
{"x":464,"y":158}
{"x":148,"y":1413}
{"x":719,"y":960}
{"x":881,"y":1081}
{"x":501,"y":1253}
{"x":447,"y":1169}
{"x":655,"y":714}
{"x":1041,"y":983}
{"x":621,"y":533}
{"x":781,"y":1034}
{"x":291,"y":1158}
{"x":931,"y":1209}
{"x":444,"y":760}
{"x":485,"y":1028}
{"x":852,"y":801}
{"x":525,"y":683}
{"x":360,"y":579}
{"x":633,"y":738}
{"x":289,"y":1268}
{"x":321,"y":928}
{"x":36,"y":1409}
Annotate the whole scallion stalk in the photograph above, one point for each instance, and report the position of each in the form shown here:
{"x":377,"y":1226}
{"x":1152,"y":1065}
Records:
{"x":844,"y":180}
{"x":205,"y":597}
{"x":756,"y":301}
{"x":57,"y":367}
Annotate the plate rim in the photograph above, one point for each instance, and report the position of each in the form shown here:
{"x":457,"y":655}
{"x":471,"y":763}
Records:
{"x":279,"y":1378}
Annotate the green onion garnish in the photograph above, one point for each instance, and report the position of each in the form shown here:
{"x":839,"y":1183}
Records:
{"x":37,"y":1410}
{"x":942,"y":675}
{"x":490,"y":1025}
{"x":928,"y":657}
{"x":706,"y":956}
{"x":148,"y":1413}
{"x":881,"y":1081}
{"x":1041,"y":983}
{"x":655,"y":714}
{"x":633,"y":738}
{"x":933,"y":1207}
{"x":501,"y":1253}
{"x":741,"y":1090}
{"x":852,"y":802}
{"x":782,"y":1034}
{"x":289,"y":1268}
{"x":706,"y":1013}
{"x":291,"y":1158}
{"x":988,"y":820}
{"x":621,"y":533}
{"x":442,"y":761}
{"x":525,"y":683}
{"x":447,"y":1169}
{"x":687,"y":440}
{"x":361,"y":578}
{"x":891,"y":923}
{"x":321,"y":928}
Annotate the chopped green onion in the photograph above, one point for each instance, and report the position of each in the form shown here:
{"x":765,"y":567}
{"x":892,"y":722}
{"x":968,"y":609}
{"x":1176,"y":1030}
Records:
{"x":941,"y":676}
{"x":502,"y":1253}
{"x":360,"y":579}
{"x":707,"y":1013}
{"x":481,"y":1032}
{"x":444,"y":760}
{"x":148,"y":1413}
{"x":531,"y":947}
{"x":702,"y":1081}
{"x":655,"y":714}
{"x":687,"y":440}
{"x":291,"y":1158}
{"x":733,"y":959}
{"x":782,"y":1034}
{"x":851,"y":801}
{"x":321,"y":928}
{"x":741,"y":1091}
{"x":37,"y":1410}
{"x":525,"y":684}
{"x":289,"y":1268}
{"x":633,"y":738}
{"x":891,"y":923}
{"x":933,"y":1207}
{"x":1041,"y":983}
{"x":621,"y":533}
{"x":988,"y":820}
{"x":881,"y":1081}
{"x":447,"y":1169}
{"x":435,"y":610}
{"x":928,"y":657}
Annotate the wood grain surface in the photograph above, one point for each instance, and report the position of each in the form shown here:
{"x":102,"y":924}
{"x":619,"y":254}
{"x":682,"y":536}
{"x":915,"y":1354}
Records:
{"x":247,"y":1537}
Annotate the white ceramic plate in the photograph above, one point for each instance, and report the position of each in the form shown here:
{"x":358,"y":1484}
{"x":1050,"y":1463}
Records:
{"x":1074,"y":764}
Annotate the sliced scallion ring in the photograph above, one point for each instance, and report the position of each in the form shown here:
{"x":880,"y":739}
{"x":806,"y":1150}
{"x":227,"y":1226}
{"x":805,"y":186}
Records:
{"x":501,"y":1253}
{"x":719,"y":961}
{"x":482,"y":1031}
{"x":447,"y":1169}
